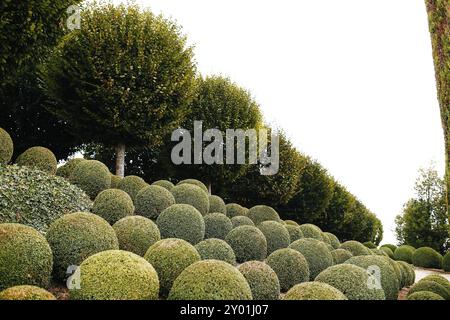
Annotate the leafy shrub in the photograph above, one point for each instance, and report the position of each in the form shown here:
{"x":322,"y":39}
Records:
{"x":194,"y":182}
{"x":314,"y":291}
{"x":164,"y":183}
{"x":369,"y":244}
{"x":426,"y":257}
{"x":234,"y":209}
{"x":404,"y":253}
{"x":316,"y":253}
{"x":66,"y":170}
{"x":340,"y":255}
{"x":290,"y":266}
{"x":170,"y":257}
{"x":187,"y":193}
{"x":276,"y":234}
{"x":390,"y":246}
{"x":115,"y":180}
{"x":26,"y":292}
{"x":424,"y":295}
{"x":408,"y":274}
{"x":291,"y":223}
{"x":248,"y":243}
{"x":388,"y":277}
{"x":116,"y":275}
{"x":295,"y":232}
{"x":431,"y":286}
{"x":216,"y":204}
{"x":352,"y":281}
{"x":334,"y":241}
{"x":311,"y":231}
{"x":132,"y":185}
{"x":38,"y":158}
{"x":181,"y":221}
{"x":92,"y":177}
{"x":398,"y":271}
{"x":379,"y":252}
{"x":262,"y":213}
{"x":152,"y":200}
{"x":136,"y":234}
{"x":6,"y":147}
{"x":441,"y":280}
{"x":210,"y":280}
{"x":356,"y":248}
{"x":35,"y":198}
{"x":238,"y":221}
{"x":262,"y":279}
{"x":113,"y":205}
{"x":25,"y":256}
{"x":75,"y":236}
{"x":216,"y":249}
{"x":446,"y":262}
{"x":388,"y":251}
{"x":217,"y":225}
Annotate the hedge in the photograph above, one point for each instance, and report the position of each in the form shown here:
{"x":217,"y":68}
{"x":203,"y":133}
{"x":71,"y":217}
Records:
{"x":152,"y":200}
{"x":440,"y":280}
{"x":187,"y":193}
{"x":66,"y":170}
{"x":26,"y":292}
{"x":316,"y":253}
{"x":314,"y":291}
{"x":262,"y":279}
{"x":404,"y":253}
{"x":217,"y":225}
{"x":6,"y":147}
{"x":113,"y":205}
{"x":277,"y":236}
{"x":340,"y":255}
{"x":427,"y":257}
{"x":295,"y":232}
{"x":234,"y":209}
{"x":38,"y":158}
{"x":431,"y":286}
{"x":248,"y":243}
{"x":164,"y":183}
{"x":334,"y":241}
{"x":262,"y":213}
{"x":238,"y":221}
{"x":216,"y":249}
{"x":388,"y":251}
{"x":311,"y":231}
{"x":355,"y":247}
{"x":424,"y":295}
{"x":446,"y":262}
{"x":216,"y":204}
{"x":194,"y":182}
{"x":92,"y":177}
{"x":132,"y":185}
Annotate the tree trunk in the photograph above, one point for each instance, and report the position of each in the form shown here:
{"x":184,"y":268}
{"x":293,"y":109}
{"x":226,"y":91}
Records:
{"x":209,"y":188}
{"x":120,"y":160}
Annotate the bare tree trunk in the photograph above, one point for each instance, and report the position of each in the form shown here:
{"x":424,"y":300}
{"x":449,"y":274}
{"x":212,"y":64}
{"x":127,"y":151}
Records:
{"x":120,"y":160}
{"x":209,"y":188}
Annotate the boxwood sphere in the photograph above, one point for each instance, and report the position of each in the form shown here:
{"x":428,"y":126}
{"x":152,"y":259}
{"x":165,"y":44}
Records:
{"x":369,"y":244}
{"x":291,"y":223}
{"x":194,"y":182}
{"x":115,"y":180}
{"x":262,"y":279}
{"x":26,"y":292}
{"x":316,"y":253}
{"x":334,"y":241}
{"x":311,"y":231}
{"x":295,"y":232}
{"x":290,"y":266}
{"x":217,"y":225}
{"x":432,"y":286}
{"x":388,"y":251}
{"x":152,"y":200}
{"x":397,"y":269}
{"x":314,"y":291}
{"x":404,"y":253}
{"x":39,"y":158}
{"x":388,"y":277}
{"x":6,"y":147}
{"x":408,"y":273}
{"x":181,"y":221}
{"x":427,"y":257}
{"x":238,"y":221}
{"x":216,"y":249}
{"x":164,"y":183}
{"x":446,"y":262}
{"x":216,"y":204}
{"x":356,"y":248}
{"x":136,"y":234}
{"x":439,"y":279}
{"x":340,"y":255}
{"x":352,"y":281}
{"x":210,"y":280}
{"x":277,"y":236}
{"x":116,"y":275}
{"x":262,"y":213}
{"x":390,"y":246}
{"x":25,"y":256}
{"x":170,"y":257}
{"x":234,"y":210}
{"x":92,"y":177}
{"x":113,"y":205}
{"x":187,"y":193}
{"x":132,"y":185}
{"x":248,"y":243}
{"x":66,"y":170}
{"x":75,"y":236}
{"x":424,"y":295}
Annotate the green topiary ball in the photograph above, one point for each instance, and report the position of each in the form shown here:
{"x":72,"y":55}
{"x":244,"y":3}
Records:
{"x":187,"y":193}
{"x":340,"y":255}
{"x":311,"y":231}
{"x":76,"y":236}
{"x":424,"y":295}
{"x":290,"y":266}
{"x":210,"y":280}
{"x":382,"y":269}
{"x":248,"y":243}
{"x":238,"y":221}
{"x":216,"y":249}
{"x":404,"y":253}
{"x":6,"y":147}
{"x":352,"y":281}
{"x":115,"y":180}
{"x":291,"y":223}
{"x":408,"y":274}
{"x":262,"y":213}
{"x":25,"y":256}
{"x":426,"y":257}
{"x":194,"y":182}
{"x":181,"y":221}
{"x":276,"y":235}
{"x":446,"y":262}
{"x":390,"y":246}
{"x":152,"y":200}
{"x":431,"y":286}
{"x":26,"y":292}
{"x":116,"y":275}
{"x":356,"y":248}
{"x":113,"y":205}
{"x":388,"y":251}
{"x":314,"y":291}
{"x":170,"y":257}
{"x":39,"y":158}
{"x":441,"y":280}
{"x":164,"y":183}
{"x":136,"y":234}
{"x":369,"y":244}
{"x":295,"y":232}
{"x":334,"y":241}
{"x":92,"y":177}
{"x":379,"y":252}
{"x":398,"y":271}
{"x":132,"y":185}
{"x":66,"y":170}
{"x":217,"y":225}
{"x":216,"y":204}
{"x":234,"y":210}
{"x":262,"y":279}
{"x":316,"y":253}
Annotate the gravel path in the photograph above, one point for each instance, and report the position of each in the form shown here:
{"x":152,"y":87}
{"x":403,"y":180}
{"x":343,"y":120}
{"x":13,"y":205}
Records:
{"x":422,"y":273}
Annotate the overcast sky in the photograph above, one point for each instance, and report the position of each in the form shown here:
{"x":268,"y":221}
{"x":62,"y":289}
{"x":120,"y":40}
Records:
{"x":350,"y":81}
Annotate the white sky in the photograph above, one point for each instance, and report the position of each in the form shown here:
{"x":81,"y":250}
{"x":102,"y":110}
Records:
{"x":350,"y":81}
